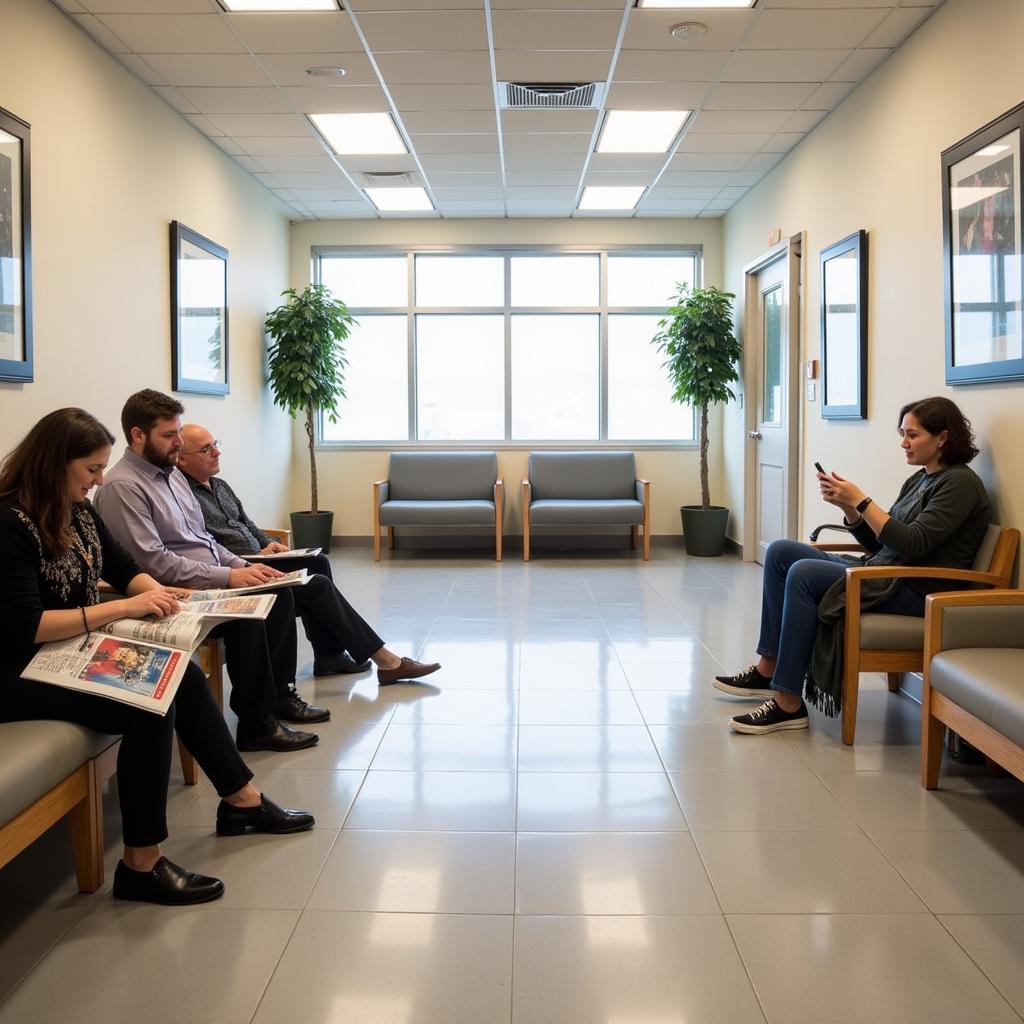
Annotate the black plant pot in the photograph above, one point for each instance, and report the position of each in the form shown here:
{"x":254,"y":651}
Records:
{"x":312,"y":530}
{"x":704,"y":529}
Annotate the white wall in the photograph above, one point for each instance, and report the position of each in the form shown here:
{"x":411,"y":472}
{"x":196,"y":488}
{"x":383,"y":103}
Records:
{"x":874,"y":163}
{"x":345,"y":478}
{"x":112,"y":165}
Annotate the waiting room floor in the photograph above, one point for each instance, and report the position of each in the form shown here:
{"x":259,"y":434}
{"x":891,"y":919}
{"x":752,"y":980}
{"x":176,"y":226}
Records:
{"x":562,"y":830}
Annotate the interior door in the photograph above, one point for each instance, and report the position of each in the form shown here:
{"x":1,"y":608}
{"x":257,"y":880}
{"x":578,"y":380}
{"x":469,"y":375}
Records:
{"x":771,"y":434}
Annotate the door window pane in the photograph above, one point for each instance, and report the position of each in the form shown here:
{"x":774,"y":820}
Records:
{"x":555,"y":379}
{"x":647,"y":280}
{"x":640,"y":405}
{"x":772,"y":402}
{"x":556,"y":280}
{"x":364,"y":282}
{"x":460,"y":372}
{"x":460,"y":281}
{"x":376,"y":351}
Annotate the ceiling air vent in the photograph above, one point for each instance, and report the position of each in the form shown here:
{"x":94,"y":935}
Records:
{"x":551,"y":95}
{"x":384,"y":178}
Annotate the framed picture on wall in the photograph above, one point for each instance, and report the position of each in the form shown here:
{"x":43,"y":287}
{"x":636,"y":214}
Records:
{"x":982,"y":198}
{"x":844,"y":328}
{"x":199,"y":312}
{"x":15,"y":250}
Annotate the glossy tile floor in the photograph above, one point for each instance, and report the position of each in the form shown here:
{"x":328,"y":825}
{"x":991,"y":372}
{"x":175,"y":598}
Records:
{"x":560,"y":831}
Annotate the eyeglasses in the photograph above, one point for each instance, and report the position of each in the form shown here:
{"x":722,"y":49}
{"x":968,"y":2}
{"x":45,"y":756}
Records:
{"x":206,"y":449}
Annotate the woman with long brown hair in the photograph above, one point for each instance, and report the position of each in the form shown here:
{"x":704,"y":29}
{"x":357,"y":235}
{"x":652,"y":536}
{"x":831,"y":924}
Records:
{"x":56,"y":550}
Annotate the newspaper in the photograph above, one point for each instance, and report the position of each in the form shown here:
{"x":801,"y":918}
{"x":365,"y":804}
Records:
{"x":279,"y":556}
{"x":139,"y":661}
{"x":289,"y":579}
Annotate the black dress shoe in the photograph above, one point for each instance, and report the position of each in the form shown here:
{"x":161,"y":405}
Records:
{"x":338,"y":664}
{"x":294,"y":709}
{"x":268,"y":817}
{"x":166,"y":883}
{"x":282,"y":738}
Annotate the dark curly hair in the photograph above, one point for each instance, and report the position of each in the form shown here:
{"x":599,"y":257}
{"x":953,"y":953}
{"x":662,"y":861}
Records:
{"x":938,"y":414}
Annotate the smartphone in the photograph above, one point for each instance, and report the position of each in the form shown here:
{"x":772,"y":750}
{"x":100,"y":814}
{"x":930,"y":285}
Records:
{"x":819,"y":468}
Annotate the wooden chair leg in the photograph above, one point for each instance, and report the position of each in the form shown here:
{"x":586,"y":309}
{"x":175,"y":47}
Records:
{"x":497,"y":543}
{"x":851,"y":686}
{"x":189,"y":768}
{"x":933,"y":736}
{"x":86,"y":821}
{"x":391,"y":538}
{"x":647,"y":541}
{"x":894,"y":681}
{"x":526,"y":535}
{"x":376,"y":538}
{"x":633,"y":538}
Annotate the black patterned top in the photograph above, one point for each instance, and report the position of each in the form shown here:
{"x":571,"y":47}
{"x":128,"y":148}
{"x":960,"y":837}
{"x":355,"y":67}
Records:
{"x":32,"y":582}
{"x":226,"y":519}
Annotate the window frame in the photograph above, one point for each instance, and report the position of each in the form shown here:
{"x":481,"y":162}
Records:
{"x":411,"y":310}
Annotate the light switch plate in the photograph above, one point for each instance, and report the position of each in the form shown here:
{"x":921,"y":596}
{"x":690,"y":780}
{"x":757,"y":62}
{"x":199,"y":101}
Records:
{"x":810,"y":391}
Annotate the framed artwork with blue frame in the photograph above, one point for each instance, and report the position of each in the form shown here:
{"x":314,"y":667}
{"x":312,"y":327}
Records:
{"x":199,"y":313}
{"x":16,"y":359}
{"x":982,"y":199}
{"x":844,"y":328}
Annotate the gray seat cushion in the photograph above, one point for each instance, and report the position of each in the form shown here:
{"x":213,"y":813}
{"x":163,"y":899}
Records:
{"x":891,"y":632}
{"x":437,"y":513}
{"x":38,"y":755}
{"x":591,"y":511}
{"x":582,"y":475}
{"x":986,"y":681}
{"x":442,"y":476}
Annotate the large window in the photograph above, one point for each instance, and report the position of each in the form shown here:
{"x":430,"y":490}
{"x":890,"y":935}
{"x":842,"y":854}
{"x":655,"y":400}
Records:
{"x":506,"y":347}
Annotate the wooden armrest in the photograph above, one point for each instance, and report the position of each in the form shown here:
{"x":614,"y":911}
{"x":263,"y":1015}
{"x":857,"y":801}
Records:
{"x":829,"y":546}
{"x":974,"y":598}
{"x":499,"y":484}
{"x":920,"y":572}
{"x":379,"y":483}
{"x":281,"y":536}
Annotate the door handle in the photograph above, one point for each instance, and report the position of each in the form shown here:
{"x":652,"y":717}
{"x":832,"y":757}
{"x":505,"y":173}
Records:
{"x":755,"y":435}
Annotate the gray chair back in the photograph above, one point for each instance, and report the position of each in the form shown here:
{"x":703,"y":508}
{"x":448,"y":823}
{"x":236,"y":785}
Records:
{"x":442,"y":476}
{"x":582,"y":475}
{"x":983,"y":559}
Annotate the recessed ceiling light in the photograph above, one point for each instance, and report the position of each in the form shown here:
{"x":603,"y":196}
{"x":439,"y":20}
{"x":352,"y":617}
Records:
{"x":325,"y":72}
{"x":640,"y":131}
{"x":709,"y":4}
{"x":359,"y":134}
{"x":687,"y":31}
{"x":280,"y":5}
{"x":611,"y":197}
{"x":390,"y":199}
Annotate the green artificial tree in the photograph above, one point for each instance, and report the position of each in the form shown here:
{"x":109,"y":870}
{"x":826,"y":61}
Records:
{"x":702,"y":353}
{"x":306,"y":361}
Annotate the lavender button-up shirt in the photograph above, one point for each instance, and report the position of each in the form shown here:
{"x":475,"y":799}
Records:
{"x":153,"y":513}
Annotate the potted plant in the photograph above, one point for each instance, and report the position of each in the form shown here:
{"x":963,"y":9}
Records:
{"x":306,"y":370}
{"x":702,"y":353}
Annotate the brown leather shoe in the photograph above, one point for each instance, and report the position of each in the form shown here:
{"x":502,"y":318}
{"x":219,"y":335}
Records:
{"x":409,"y":669}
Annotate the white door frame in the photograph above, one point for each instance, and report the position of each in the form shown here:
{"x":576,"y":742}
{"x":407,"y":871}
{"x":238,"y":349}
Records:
{"x":791,"y":250}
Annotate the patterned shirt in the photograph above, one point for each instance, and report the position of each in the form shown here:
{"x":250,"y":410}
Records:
{"x":225,"y":518}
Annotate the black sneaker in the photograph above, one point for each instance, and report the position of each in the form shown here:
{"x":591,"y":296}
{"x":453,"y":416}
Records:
{"x":294,"y":709}
{"x":749,"y":683}
{"x":769,"y":717}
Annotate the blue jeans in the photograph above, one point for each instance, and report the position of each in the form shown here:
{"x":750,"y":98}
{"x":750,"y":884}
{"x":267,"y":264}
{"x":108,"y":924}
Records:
{"x":796,"y":577}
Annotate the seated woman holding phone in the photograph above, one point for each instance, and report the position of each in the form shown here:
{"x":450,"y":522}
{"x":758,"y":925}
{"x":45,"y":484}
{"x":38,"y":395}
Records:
{"x":939,"y":519}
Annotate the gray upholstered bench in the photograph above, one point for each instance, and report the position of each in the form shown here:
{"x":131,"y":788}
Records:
{"x":974,"y":677}
{"x":586,"y":489}
{"x":48,"y":770}
{"x":449,"y":489}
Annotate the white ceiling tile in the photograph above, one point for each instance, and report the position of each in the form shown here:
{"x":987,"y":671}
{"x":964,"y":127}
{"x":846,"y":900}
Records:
{"x":732,"y":193}
{"x":434,"y":67}
{"x":784,"y":65}
{"x":427,"y":121}
{"x":311,"y":196}
{"x":469,"y":96}
{"x":694,"y":179}
{"x":459,"y":162}
{"x":449,"y":194}
{"x":618,"y":177}
{"x":555,"y":30}
{"x":472,"y":209}
{"x":180,"y":103}
{"x":267,"y":180}
{"x":229,"y":146}
{"x":540,"y":179}
{"x":472,"y":179}
{"x":248,"y":162}
{"x":540,"y":208}
{"x":287,"y":146}
{"x":552,"y":65}
{"x":207,"y":69}
{"x":829,"y":95}
{"x":783,"y":142}
{"x":300,"y":179}
{"x":173,"y":33}
{"x":328,"y":32}
{"x":656,"y":95}
{"x":283,"y":193}
{"x":745,"y":178}
{"x":831,"y":3}
{"x":343,"y":209}
{"x":663,"y":207}
{"x":644,"y":162}
{"x":204,"y":124}
{"x":803,"y":120}
{"x":724,"y":142}
{"x":759,"y":95}
{"x":650,"y":29}
{"x":548,"y":120}
{"x":661,"y":193}
{"x":526,"y":142}
{"x":668,"y":66}
{"x":289,"y":69}
{"x":565,"y":194}
{"x":763,"y":161}
{"x":345,"y":99}
{"x":544,"y":161}
{"x":433,"y":30}
{"x":477,"y":142}
{"x":138,"y":66}
{"x":236,"y":101}
{"x":71,"y":6}
{"x":148,"y":6}
{"x":683,"y":161}
{"x":275,"y":125}
{"x":315,"y":164}
{"x":555,"y":5}
{"x":720,"y":205}
{"x":392,"y":162}
{"x":418,"y":5}
{"x":103,"y":35}
{"x":740,"y":120}
{"x":812,"y":29}
{"x":897,"y":26}
{"x":859,"y":65}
